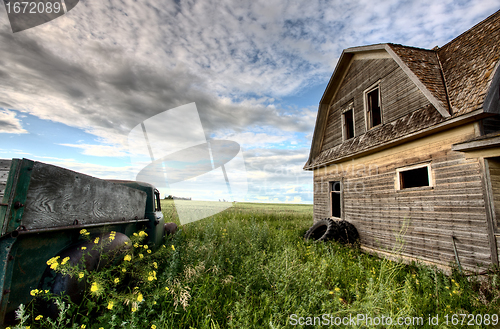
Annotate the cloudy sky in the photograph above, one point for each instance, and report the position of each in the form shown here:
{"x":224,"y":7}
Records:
{"x":71,"y":90}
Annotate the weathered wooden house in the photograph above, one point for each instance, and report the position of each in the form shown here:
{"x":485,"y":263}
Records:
{"x":407,"y":146}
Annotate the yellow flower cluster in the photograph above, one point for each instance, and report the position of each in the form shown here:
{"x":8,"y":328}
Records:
{"x":53,"y":262}
{"x":81,"y":275}
{"x":110,"y":305}
{"x":155,"y":265}
{"x":112,"y":235}
{"x":142,"y":234}
{"x":35,"y":292}
{"x":127,"y":258}
{"x":96,"y":241}
{"x":152,"y":276}
{"x":139,"y":297}
{"x":39,"y":317}
{"x":84,"y":232}
{"x":65,"y":260}
{"x":94,"y":287}
{"x":116,"y":280}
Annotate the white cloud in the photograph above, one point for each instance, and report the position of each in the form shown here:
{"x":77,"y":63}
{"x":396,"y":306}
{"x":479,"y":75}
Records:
{"x":10,"y":124}
{"x":100,"y":150}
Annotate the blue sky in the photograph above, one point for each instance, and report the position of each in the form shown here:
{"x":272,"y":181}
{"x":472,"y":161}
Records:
{"x":72,"y":89}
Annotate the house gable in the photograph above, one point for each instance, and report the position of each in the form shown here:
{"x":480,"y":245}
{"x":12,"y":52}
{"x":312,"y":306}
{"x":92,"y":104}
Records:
{"x":399,"y":95}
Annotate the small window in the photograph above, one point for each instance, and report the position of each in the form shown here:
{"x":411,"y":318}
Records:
{"x":418,"y":176}
{"x":335,"y":199}
{"x":348,"y":124}
{"x":373,"y":108}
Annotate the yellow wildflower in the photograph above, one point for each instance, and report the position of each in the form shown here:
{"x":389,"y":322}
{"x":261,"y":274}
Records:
{"x":331,"y":292}
{"x":81,"y":275}
{"x":166,"y":288}
{"x":83,"y":231}
{"x":83,"y":326}
{"x":173,"y":248}
{"x":145,"y":246}
{"x":155,"y":265}
{"x":135,"y":234}
{"x":124,"y":270}
{"x":53,"y":260}
{"x":39,"y":317}
{"x":96,"y":241}
{"x":337,"y":289}
{"x":127,"y":258}
{"x":149,"y":251}
{"x":142,"y":233}
{"x":110,"y":305}
{"x":153,"y":327}
{"x":141,"y":256}
{"x":83,"y":248}
{"x":34,"y":292}
{"x":94,"y":287}
{"x":136,"y":245}
{"x":117,"y":280}
{"x":65,"y":260}
{"x":134,"y":309}
{"x":139,"y":297}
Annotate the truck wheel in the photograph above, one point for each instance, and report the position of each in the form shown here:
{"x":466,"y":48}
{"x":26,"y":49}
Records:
{"x":169,"y":228}
{"x":323,"y":230}
{"x":347,"y":233}
{"x":60,"y":284}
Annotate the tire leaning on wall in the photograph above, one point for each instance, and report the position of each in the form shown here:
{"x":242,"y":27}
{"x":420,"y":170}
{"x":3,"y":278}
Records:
{"x":92,"y":253}
{"x":323,"y":230}
{"x":328,"y":229}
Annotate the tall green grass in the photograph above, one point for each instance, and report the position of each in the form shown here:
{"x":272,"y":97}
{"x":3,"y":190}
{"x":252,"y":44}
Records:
{"x":249,"y":267}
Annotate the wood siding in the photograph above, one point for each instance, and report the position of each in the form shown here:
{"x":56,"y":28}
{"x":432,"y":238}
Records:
{"x":4,"y":174}
{"x":399,"y":96}
{"x":454,"y":206}
{"x":494,"y":166}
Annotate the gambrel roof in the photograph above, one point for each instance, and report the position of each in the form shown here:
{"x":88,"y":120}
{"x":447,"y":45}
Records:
{"x":456,"y":79}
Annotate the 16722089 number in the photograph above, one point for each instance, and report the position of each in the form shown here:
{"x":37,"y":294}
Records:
{"x":471,"y":319}
{"x":26,"y":7}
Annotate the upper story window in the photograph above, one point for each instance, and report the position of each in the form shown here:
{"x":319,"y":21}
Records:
{"x":373,"y":109}
{"x":348,"y":121}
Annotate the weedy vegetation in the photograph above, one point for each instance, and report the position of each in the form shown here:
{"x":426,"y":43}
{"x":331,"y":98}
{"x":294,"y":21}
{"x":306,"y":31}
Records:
{"x":249,"y":267}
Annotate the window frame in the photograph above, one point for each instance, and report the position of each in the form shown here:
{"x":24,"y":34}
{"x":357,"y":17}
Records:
{"x":341,"y":197}
{"x":430,"y":177}
{"x":368,"y":114}
{"x":346,"y":108}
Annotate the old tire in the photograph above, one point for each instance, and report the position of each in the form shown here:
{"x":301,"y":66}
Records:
{"x":347,"y":233}
{"x":323,"y":230}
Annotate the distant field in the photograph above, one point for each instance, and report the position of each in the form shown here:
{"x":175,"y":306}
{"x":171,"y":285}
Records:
{"x":243,"y":207}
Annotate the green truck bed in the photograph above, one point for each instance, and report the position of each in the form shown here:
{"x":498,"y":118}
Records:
{"x":44,"y":207}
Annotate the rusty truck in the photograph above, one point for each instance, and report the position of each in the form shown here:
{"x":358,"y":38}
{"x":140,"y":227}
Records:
{"x":43,"y":209}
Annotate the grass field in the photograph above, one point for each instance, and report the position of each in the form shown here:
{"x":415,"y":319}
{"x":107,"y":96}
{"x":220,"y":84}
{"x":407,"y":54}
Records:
{"x":249,"y":267}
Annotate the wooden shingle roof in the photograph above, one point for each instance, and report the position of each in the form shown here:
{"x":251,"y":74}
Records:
{"x":469,"y":62}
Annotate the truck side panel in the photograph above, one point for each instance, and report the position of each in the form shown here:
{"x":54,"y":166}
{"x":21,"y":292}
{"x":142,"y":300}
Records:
{"x":4,"y":173}
{"x":59,"y":197}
